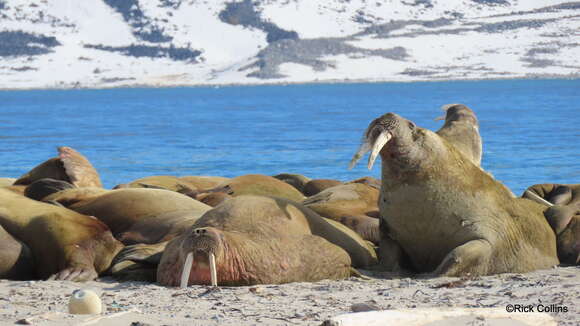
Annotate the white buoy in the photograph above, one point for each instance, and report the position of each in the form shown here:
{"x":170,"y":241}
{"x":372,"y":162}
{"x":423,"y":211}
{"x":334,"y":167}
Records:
{"x":84,"y":302}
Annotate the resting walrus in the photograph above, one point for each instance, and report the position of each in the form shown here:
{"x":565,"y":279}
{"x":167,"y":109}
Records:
{"x":253,"y":240}
{"x":446,"y":214}
{"x":563,"y":215}
{"x":70,"y":166}
{"x":65,"y":245}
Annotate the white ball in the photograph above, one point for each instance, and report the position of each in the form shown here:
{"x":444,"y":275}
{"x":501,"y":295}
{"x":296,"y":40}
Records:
{"x":84,"y":302}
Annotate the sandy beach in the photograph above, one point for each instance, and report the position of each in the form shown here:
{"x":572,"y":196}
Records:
{"x":136,"y":303}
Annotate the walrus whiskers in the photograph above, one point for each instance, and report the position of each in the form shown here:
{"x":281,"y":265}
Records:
{"x":363,"y":149}
{"x":212,"y":269}
{"x":186,"y":270}
{"x":380,"y":142}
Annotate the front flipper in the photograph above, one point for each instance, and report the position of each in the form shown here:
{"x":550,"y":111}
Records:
{"x":471,"y":258}
{"x":75,"y":274}
{"x":138,"y":262}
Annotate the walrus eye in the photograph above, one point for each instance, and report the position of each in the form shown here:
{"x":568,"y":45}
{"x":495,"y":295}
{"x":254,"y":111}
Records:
{"x":411,"y":125}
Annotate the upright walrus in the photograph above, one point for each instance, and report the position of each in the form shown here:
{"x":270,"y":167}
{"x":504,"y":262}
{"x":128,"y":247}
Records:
{"x":65,"y":245}
{"x":461,"y":128}
{"x":447,"y":215}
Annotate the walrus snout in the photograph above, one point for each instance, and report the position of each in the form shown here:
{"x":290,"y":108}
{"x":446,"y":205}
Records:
{"x":377,"y":135}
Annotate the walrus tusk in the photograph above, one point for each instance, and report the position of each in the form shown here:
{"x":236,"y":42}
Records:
{"x":363,"y":149}
{"x":380,"y":142}
{"x":440,"y":118}
{"x":186,"y":270}
{"x":538,"y":198}
{"x":212,"y":269}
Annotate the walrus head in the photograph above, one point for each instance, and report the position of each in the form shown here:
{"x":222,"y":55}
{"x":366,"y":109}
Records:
{"x":206,"y":249}
{"x":392,"y":136}
{"x":458,"y":112}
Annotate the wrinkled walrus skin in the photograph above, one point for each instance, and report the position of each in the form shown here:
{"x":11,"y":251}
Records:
{"x":563,"y":215}
{"x":446,"y":215}
{"x":65,"y":245}
{"x":255,"y":240}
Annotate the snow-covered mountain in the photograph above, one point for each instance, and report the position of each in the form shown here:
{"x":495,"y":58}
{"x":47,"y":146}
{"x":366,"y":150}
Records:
{"x":109,"y":43}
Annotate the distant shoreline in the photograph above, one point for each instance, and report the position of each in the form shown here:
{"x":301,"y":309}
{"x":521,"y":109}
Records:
{"x":313,"y":82}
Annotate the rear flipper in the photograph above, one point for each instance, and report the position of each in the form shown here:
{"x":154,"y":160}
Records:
{"x":471,"y":258}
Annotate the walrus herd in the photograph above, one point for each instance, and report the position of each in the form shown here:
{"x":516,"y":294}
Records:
{"x":435,"y":212}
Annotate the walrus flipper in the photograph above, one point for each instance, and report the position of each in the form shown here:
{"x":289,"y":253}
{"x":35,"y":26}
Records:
{"x":75,"y":274}
{"x":79,"y":170}
{"x":469,"y":258}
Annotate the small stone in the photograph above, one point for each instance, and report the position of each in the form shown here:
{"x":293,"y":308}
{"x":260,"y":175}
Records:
{"x":361,"y":307}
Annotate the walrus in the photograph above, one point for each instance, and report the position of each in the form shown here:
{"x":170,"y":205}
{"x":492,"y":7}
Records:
{"x":353,"y":204}
{"x":166,"y":182}
{"x":140,"y":215}
{"x":203,"y":182}
{"x":461,"y":128}
{"x":445,"y":214}
{"x":45,"y":187}
{"x":298,"y":181}
{"x":259,"y":185}
{"x":315,"y":186}
{"x":136,"y":262}
{"x":70,"y":166}
{"x":16,"y":262}
{"x":65,"y":245}
{"x":563,"y":215}
{"x":251,"y":240}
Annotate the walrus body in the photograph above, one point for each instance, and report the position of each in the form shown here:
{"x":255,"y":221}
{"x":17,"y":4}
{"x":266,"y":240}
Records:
{"x":461,"y":129}
{"x":352,"y":204}
{"x":446,"y":214}
{"x":16,"y":260}
{"x":142,"y":215}
{"x":258,"y":185}
{"x":70,"y":166}
{"x":65,"y":244}
{"x":563,"y":215}
{"x":255,"y":240}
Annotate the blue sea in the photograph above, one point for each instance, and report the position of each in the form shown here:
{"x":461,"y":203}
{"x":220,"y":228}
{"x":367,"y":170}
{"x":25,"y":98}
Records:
{"x":530,"y":128}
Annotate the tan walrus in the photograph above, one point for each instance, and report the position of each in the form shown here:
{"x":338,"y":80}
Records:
{"x":65,"y":245}
{"x":353,"y":204}
{"x":137,"y":215}
{"x":444,"y":213}
{"x":461,"y":128}
{"x":70,"y":166}
{"x":563,"y":215}
{"x":258,"y":185}
{"x":251,"y":240}
{"x":16,"y":262}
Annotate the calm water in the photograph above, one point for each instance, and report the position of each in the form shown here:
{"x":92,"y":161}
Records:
{"x":530,"y":128}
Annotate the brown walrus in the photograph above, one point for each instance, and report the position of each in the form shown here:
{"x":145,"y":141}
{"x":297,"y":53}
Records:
{"x":141,"y":215}
{"x":352,"y":204}
{"x":461,"y":128}
{"x":258,"y":185}
{"x":315,"y":186}
{"x":70,"y":166}
{"x":65,"y":245}
{"x":297,"y":181}
{"x":255,"y":240}
{"x":166,"y":182}
{"x":563,"y":215}
{"x":16,"y":262}
{"x":447,"y":216}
